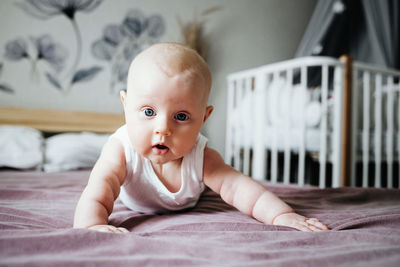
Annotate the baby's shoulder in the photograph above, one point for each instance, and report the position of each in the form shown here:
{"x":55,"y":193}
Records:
{"x":212,"y":159}
{"x":113,"y":147}
{"x":121,"y":133}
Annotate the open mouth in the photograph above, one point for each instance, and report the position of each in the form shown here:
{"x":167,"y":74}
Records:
{"x":161,"y":146}
{"x":160,"y":149}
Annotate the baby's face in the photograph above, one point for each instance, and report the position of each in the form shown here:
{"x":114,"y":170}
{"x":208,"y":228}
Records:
{"x":164,"y":114}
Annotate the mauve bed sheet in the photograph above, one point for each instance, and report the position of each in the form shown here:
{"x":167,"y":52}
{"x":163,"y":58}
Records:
{"x":36,"y":214}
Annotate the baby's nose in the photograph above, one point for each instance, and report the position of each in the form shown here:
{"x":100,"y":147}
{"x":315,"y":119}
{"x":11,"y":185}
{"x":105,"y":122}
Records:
{"x":162,"y":128}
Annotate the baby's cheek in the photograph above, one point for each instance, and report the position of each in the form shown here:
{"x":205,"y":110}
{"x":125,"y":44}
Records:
{"x":139,"y":140}
{"x":187,"y":145}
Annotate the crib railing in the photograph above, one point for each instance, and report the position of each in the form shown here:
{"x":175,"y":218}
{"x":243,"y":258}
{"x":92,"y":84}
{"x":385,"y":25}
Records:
{"x":246,"y":148}
{"x":279,"y":145}
{"x":378,"y":93}
{"x":242,"y":84}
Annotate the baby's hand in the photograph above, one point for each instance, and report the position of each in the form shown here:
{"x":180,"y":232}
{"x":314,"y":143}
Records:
{"x":300,"y":222}
{"x":108,"y":228}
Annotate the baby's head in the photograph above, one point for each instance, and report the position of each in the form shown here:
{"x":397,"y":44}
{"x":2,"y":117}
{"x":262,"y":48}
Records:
{"x":172,"y":59}
{"x":166,"y":101}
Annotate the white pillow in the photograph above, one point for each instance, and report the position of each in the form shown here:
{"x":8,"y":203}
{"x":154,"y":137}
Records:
{"x":72,"y":151}
{"x":20,"y":147}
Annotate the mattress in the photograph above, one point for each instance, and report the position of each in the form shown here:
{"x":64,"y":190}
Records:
{"x":36,"y":216}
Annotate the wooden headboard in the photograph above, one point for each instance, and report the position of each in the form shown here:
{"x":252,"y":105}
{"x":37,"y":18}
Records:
{"x":57,"y":121}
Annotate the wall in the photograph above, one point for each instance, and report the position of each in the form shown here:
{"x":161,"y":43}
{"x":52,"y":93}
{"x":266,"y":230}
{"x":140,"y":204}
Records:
{"x":243,"y":34}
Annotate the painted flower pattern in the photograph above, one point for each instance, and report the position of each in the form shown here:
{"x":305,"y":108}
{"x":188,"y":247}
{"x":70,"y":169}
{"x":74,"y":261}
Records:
{"x":46,"y":9}
{"x":51,"y":52}
{"x":16,"y":50}
{"x":120,"y":43}
{"x":45,"y":49}
{"x":5,"y":88}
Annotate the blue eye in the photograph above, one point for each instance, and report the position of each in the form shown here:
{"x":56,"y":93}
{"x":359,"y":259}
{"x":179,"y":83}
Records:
{"x":181,"y":117}
{"x":148,"y":112}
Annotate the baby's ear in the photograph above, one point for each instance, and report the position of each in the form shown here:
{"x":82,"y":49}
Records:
{"x":209,"y":110}
{"x":122,"y":94}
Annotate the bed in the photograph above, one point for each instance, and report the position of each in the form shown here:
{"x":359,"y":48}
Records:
{"x":36,"y":215}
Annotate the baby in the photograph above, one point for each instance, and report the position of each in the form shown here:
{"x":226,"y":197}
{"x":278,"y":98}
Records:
{"x":159,"y":161}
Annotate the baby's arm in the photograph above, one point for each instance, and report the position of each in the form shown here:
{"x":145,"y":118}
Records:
{"x":250,"y":197}
{"x":97,"y":200}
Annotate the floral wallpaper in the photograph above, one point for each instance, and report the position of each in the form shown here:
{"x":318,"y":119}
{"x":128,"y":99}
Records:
{"x":121,"y":42}
{"x":51,"y":61}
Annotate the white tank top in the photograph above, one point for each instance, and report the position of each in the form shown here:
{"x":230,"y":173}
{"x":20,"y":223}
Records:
{"x":143,"y":191}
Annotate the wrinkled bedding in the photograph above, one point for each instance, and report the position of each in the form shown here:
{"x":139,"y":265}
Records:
{"x":36,"y":214}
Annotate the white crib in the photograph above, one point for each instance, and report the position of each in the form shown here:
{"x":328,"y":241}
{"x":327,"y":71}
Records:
{"x":315,"y":120}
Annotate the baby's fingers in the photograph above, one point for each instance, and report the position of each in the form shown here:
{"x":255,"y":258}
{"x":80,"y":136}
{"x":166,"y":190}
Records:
{"x":122,"y":230}
{"x":302,"y":226}
{"x":108,"y":228}
{"x":113,"y":229}
{"x":314,"y":223}
{"x":310,"y":225}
